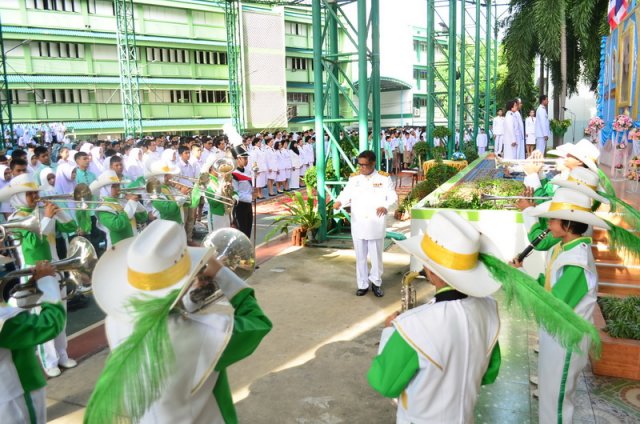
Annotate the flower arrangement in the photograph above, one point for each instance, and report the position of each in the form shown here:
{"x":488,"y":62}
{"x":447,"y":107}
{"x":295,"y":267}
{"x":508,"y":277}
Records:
{"x":595,"y":124}
{"x":622,"y":123}
{"x":634,"y":134}
{"x":619,"y":166}
{"x":634,"y":169}
{"x":621,"y":146}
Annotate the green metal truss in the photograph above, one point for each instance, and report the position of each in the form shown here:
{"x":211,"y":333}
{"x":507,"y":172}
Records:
{"x":128,"y":63}
{"x":331,"y":82}
{"x":6,"y":118}
{"x":234,"y":57}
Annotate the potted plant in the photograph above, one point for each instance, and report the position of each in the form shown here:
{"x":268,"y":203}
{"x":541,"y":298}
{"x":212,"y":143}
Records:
{"x":302,"y":215}
{"x":560,"y":127}
{"x":617,"y":320}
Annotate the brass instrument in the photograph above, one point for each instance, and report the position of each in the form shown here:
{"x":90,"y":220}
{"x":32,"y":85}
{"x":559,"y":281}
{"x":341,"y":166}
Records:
{"x":234,"y":249}
{"x":80,"y":262}
{"x":517,"y":165}
{"x":408,"y":291}
{"x":488,"y":197}
{"x":29,"y":223}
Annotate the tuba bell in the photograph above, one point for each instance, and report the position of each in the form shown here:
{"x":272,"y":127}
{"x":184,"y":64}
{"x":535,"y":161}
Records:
{"x":29,"y":223}
{"x":79,"y":263}
{"x":235,"y":251}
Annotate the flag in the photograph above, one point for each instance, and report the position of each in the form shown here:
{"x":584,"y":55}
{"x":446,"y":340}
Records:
{"x":617,"y":12}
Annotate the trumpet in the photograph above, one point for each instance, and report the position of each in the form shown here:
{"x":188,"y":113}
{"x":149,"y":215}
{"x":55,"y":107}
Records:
{"x":80,"y":262}
{"x":234,"y":249}
{"x":517,"y":165}
{"x":490,"y":198}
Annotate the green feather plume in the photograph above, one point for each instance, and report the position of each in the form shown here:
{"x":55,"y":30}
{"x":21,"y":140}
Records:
{"x":605,"y":182}
{"x":620,"y":238}
{"x":557,"y":318}
{"x":135,"y":372}
{"x":630,"y":214}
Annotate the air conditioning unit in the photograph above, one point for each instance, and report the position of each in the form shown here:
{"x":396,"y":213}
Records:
{"x":416,"y":112}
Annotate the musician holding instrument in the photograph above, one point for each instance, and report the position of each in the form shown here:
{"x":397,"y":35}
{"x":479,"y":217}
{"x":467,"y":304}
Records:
{"x":168,"y":203}
{"x":22,"y":398}
{"x":217,"y":188}
{"x":118,"y":222}
{"x":163,"y":338}
{"x":41,"y":246}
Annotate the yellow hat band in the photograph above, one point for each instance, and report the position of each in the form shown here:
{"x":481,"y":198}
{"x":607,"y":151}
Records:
{"x":448,"y":258}
{"x":162,"y":279}
{"x":30,"y":185}
{"x":564,"y":206}
{"x":577,"y":181}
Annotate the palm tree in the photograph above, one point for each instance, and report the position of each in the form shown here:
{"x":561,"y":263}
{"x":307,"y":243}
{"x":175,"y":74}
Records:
{"x":564,"y":33}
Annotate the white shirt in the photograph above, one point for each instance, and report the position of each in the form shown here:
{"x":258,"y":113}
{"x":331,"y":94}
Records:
{"x":542,"y":122}
{"x":365,"y":194}
{"x":498,"y":125}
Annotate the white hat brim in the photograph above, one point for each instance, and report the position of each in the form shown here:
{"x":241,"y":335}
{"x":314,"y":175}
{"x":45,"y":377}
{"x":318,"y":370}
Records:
{"x":558,"y":153}
{"x":584,"y":159}
{"x":542,"y":211}
{"x":112,"y":290}
{"x":574,"y":185}
{"x":476,"y":282}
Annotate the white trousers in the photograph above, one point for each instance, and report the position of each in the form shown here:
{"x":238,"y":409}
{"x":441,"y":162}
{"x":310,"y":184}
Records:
{"x":481,"y":150}
{"x":218,"y":221}
{"x":55,"y":350}
{"x":498,"y":144}
{"x":373,"y":249}
{"x":16,"y":411}
{"x":558,"y":372}
{"x":541,"y":144}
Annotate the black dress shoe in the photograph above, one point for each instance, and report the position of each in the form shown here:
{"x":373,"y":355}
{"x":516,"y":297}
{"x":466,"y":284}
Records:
{"x":377,"y":290}
{"x":362,"y":292}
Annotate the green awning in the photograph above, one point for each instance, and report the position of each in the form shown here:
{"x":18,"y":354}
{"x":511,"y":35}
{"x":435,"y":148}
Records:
{"x":387,"y":84}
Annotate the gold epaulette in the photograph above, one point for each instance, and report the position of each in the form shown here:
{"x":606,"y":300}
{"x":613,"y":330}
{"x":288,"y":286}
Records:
{"x":355,"y":174}
{"x":384,"y":174}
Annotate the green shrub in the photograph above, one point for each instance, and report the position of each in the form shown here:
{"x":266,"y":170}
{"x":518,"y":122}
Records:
{"x":622,"y":316}
{"x":470,"y":152}
{"x":468,"y":195}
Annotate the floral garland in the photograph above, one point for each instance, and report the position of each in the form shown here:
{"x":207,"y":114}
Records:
{"x":634,"y":169}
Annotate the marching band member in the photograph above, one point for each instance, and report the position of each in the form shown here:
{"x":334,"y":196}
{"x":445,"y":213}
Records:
{"x":166,"y":206}
{"x":42,"y":247}
{"x":218,"y":216}
{"x":146,"y":274}
{"x":116,"y":221}
{"x":370,"y":194}
{"x":22,"y":392}
{"x":242,"y":177}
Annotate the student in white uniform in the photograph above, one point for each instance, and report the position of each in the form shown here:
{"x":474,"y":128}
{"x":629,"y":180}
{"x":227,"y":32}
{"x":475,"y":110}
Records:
{"x":370,"y":194}
{"x":530,"y":131}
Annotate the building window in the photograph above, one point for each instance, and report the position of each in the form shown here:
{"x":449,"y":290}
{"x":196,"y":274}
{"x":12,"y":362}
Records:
{"x":419,"y":74}
{"x":101,"y":7}
{"x":296,"y":28}
{"x":212,"y":96}
{"x":167,"y":55}
{"x":298,"y":63}
{"x":65,"y":50}
{"x":58,"y":5}
{"x":422,"y":45}
{"x":298,"y":97}
{"x":61,"y":96}
{"x":210,"y":58}
{"x":18,"y":97}
{"x":419,"y":102}
{"x":180,"y":96}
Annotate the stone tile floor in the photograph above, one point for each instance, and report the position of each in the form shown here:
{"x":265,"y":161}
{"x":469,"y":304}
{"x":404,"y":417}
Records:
{"x":599,"y":400}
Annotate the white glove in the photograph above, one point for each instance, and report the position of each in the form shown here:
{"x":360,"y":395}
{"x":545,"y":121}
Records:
{"x":50,"y":288}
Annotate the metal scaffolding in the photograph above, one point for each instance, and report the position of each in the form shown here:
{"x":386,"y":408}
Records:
{"x":128,"y":63}
{"x":6,"y":117}
{"x":234,"y":57}
{"x":331,"y":84}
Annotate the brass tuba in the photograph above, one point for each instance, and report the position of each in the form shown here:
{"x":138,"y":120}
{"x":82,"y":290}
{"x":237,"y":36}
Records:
{"x":408,"y":291}
{"x":234,"y":249}
{"x":79,"y":263}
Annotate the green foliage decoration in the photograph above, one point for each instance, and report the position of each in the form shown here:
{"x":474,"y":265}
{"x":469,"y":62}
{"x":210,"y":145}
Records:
{"x":559,"y":127}
{"x":622,"y":316}
{"x":301,"y":212}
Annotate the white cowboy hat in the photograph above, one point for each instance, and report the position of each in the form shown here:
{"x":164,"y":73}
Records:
{"x":106,"y":178}
{"x":560,"y":151}
{"x":570,"y":205}
{"x":161,"y":168}
{"x":23,"y":183}
{"x":450,"y":249}
{"x":153,"y":263}
{"x":583,"y":180}
{"x":586,"y":152}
